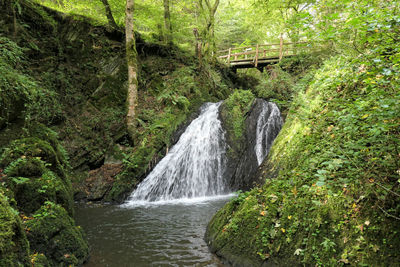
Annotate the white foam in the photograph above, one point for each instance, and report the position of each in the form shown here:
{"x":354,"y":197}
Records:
{"x":180,"y":201}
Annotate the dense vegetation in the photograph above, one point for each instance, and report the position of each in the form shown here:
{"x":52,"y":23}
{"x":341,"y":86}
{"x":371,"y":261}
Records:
{"x":332,"y":187}
{"x":332,"y":181}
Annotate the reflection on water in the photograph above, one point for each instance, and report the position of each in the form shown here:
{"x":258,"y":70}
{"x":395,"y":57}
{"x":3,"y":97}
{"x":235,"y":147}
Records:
{"x":168,"y":234}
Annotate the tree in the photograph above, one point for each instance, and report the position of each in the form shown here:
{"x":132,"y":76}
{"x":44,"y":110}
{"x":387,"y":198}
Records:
{"x":131,"y":57}
{"x":109,"y":15}
{"x":167,"y":23}
{"x":208,"y":33}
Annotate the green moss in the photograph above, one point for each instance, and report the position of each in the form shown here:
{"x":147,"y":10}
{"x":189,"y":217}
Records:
{"x":35,"y":171}
{"x":31,"y":193}
{"x":135,"y":168}
{"x":14,"y":247}
{"x":234,"y":110}
{"x":40,"y":260}
{"x":334,"y":155}
{"x":53,"y":232}
{"x":233,"y":114}
{"x":30,"y":150}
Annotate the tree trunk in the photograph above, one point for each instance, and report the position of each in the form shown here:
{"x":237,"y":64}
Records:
{"x":209,"y":32}
{"x":131,"y":57}
{"x":109,"y":15}
{"x":167,"y":23}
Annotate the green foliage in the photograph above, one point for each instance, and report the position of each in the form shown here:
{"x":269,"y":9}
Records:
{"x":19,"y":92}
{"x":35,"y":152}
{"x":52,"y":232}
{"x":234,"y":109}
{"x":282,"y":82}
{"x":335,"y":200}
{"x":36,"y":173}
{"x":276,"y":86}
{"x":14,"y":247}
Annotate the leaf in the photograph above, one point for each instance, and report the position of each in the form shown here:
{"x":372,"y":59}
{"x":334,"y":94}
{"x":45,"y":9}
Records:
{"x":365,"y":116}
{"x":298,"y":251}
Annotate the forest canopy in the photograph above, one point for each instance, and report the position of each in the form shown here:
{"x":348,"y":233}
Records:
{"x":345,"y":25}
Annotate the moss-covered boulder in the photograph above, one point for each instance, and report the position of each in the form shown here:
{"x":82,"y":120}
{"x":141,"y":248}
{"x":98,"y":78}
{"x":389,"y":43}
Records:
{"x":14,"y":247}
{"x":35,"y":174}
{"x":34,"y":147}
{"x":53,"y":233}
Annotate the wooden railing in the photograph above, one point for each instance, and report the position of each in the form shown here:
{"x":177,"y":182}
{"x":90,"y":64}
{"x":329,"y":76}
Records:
{"x":261,"y":53}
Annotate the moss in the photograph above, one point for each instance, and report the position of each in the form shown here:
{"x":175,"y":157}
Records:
{"x":325,"y":207}
{"x":136,"y":167}
{"x":40,"y":260}
{"x":14,"y":247}
{"x":34,"y":148}
{"x":31,"y":193}
{"x":234,"y":110}
{"x":35,"y":171}
{"x":52,"y":232}
{"x":233,"y":114}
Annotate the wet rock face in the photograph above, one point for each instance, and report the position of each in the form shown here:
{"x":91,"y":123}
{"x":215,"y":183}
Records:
{"x":243,"y":163}
{"x":100,"y":181}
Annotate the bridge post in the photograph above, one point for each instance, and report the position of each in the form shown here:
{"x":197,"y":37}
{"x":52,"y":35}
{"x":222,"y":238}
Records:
{"x":256,"y":59}
{"x":229,"y":55}
{"x":281,"y":48}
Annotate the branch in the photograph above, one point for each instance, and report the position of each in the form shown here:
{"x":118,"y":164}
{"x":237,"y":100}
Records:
{"x":208,"y":4}
{"x":214,"y":9}
{"x":387,"y":214}
{"x":387,"y":189}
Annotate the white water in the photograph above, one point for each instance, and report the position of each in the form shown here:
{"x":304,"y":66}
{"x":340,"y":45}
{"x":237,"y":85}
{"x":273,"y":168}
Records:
{"x":193,"y":168}
{"x":269,"y":124}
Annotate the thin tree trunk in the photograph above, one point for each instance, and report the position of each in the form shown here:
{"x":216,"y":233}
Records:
{"x":109,"y":15}
{"x":212,"y":22}
{"x":167,"y":23}
{"x":209,"y":34}
{"x":131,"y":57}
{"x":15,"y":24}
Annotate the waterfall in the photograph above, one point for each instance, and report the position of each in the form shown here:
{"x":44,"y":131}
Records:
{"x":194,"y":166}
{"x":269,"y":124}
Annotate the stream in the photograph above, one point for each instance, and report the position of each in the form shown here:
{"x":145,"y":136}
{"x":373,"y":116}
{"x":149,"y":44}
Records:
{"x":162,"y":234}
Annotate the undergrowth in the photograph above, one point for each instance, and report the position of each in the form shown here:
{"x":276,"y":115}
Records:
{"x":336,"y":198}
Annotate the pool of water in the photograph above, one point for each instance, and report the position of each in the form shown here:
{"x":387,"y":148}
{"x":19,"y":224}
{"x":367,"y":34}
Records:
{"x":144,"y":234}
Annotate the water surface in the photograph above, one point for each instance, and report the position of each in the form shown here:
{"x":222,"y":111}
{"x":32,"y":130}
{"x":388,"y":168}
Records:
{"x":160,"y":234}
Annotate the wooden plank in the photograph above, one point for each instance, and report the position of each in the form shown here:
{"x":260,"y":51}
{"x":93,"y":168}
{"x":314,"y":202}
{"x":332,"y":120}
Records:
{"x":261,"y":45}
{"x":243,"y":53}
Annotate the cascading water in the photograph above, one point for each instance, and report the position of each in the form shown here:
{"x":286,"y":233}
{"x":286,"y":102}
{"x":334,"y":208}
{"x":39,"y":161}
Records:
{"x":269,"y":124}
{"x":195,"y":165}
{"x":195,"y":170}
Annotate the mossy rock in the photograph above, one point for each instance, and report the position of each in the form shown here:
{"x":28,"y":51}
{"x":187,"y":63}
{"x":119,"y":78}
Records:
{"x":233,"y":115}
{"x":54,"y":233}
{"x":25,"y":167}
{"x":31,"y":193}
{"x":14,"y":247}
{"x":42,"y":132}
{"x":35,"y":148}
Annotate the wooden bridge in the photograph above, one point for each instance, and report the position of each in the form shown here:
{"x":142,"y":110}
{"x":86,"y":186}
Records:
{"x":261,"y":55}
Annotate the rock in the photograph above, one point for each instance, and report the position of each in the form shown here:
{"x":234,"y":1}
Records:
{"x":35,"y":174}
{"x":243,"y":166}
{"x":100,"y":181}
{"x":53,"y":232}
{"x":14,"y":247}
